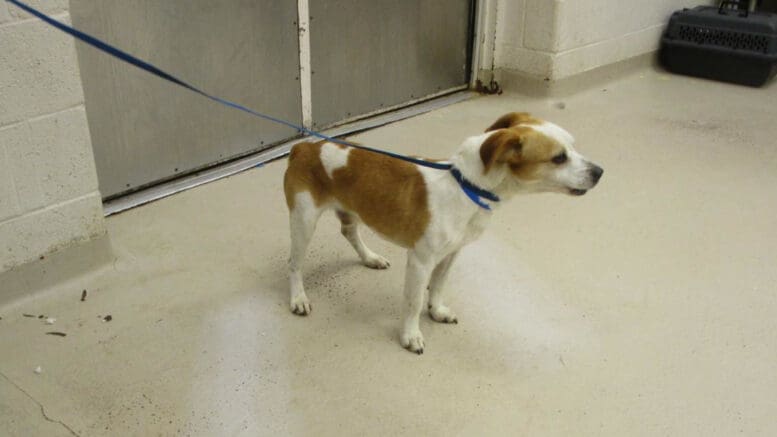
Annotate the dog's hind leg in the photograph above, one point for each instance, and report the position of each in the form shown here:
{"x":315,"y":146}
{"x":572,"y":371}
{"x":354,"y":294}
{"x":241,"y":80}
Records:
{"x":349,"y":227}
{"x":437,"y":308}
{"x":302,"y":220}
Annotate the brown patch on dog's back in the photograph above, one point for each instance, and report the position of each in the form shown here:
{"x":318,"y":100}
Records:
{"x":388,"y":195}
{"x":513,"y":119}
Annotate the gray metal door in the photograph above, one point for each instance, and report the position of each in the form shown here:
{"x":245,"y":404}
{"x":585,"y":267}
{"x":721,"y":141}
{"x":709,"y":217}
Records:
{"x":145,"y":130}
{"x":365,"y":56}
{"x":370,"y":55}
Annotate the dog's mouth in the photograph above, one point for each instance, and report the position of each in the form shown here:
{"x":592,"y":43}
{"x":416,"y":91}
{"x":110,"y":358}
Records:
{"x":577,"y":191}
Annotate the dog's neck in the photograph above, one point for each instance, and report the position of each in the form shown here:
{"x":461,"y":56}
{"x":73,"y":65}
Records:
{"x":467,"y":159}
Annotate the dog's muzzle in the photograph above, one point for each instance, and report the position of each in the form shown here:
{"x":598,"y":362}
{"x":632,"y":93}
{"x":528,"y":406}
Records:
{"x":594,"y":174}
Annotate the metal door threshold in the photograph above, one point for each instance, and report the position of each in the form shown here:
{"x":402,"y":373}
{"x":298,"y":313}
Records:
{"x":220,"y":171}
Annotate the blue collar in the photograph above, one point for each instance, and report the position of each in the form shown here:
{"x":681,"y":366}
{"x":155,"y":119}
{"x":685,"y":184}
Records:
{"x":473,"y":191}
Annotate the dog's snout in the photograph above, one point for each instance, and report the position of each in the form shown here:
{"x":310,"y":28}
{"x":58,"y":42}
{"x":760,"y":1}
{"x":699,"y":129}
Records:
{"x":596,"y":173}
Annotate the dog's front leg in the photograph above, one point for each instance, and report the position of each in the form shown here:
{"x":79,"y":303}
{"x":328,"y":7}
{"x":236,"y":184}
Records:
{"x":438,"y":310}
{"x":419,"y":270}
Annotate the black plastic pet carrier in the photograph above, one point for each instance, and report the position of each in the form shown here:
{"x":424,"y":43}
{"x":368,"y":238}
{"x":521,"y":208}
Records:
{"x":723,"y":43}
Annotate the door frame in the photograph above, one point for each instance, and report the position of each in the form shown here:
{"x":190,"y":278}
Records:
{"x":483,"y":42}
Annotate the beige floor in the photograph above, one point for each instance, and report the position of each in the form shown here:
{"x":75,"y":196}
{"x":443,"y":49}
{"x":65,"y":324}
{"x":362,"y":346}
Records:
{"x":647,"y":307}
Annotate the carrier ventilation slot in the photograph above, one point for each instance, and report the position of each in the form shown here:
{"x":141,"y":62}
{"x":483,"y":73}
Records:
{"x":724,"y":38}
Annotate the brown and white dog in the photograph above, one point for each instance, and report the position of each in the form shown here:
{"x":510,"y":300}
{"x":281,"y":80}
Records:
{"x":424,"y":210}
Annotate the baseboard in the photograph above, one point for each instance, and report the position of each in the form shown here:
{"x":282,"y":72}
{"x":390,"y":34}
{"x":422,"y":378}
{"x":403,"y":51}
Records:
{"x":55,"y":268}
{"x":518,"y":82}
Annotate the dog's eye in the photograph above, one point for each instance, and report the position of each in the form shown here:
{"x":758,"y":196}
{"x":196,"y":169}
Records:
{"x":560,"y":158}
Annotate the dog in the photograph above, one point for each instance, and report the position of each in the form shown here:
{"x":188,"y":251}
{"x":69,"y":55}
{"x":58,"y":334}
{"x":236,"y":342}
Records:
{"x":432,"y":213}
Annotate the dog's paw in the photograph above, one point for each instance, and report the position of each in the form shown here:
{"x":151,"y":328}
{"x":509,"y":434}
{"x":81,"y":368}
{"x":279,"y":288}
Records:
{"x":376,"y":262}
{"x":300,"y":305}
{"x":413,"y":341}
{"x":442,"y":314}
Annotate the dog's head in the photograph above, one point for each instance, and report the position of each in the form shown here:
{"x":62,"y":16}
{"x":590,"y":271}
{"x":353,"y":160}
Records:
{"x":537,"y":156}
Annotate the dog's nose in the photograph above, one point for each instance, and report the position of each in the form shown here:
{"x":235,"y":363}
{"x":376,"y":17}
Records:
{"x":596,"y":173}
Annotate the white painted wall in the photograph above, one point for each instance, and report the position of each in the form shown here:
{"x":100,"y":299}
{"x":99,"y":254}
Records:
{"x":555,"y":39}
{"x":48,"y":184}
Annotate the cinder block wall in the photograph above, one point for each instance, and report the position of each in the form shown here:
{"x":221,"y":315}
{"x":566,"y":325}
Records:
{"x":48,"y":184}
{"x":556,"y":39}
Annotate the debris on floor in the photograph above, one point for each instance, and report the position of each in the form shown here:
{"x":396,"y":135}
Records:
{"x":28,"y":315}
{"x":50,"y":321}
{"x":57,"y":333}
{"x":83,"y":295}
{"x":107,"y":318}
{"x":38,"y":370}
{"x":492,"y":87}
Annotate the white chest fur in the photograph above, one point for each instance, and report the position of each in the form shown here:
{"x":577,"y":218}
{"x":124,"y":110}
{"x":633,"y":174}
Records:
{"x":455,"y":219}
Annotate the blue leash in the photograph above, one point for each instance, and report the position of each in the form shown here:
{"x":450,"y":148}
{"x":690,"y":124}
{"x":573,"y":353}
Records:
{"x":472,"y":191}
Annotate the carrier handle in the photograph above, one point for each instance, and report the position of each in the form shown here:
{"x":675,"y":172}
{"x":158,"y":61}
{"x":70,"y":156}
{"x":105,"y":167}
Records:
{"x":743,"y":12}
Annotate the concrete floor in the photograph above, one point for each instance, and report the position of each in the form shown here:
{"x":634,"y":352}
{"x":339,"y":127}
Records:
{"x":646,"y":307}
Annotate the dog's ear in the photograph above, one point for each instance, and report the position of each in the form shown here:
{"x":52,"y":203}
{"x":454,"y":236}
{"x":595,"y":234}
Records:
{"x":501,"y":147}
{"x":512,"y":119}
